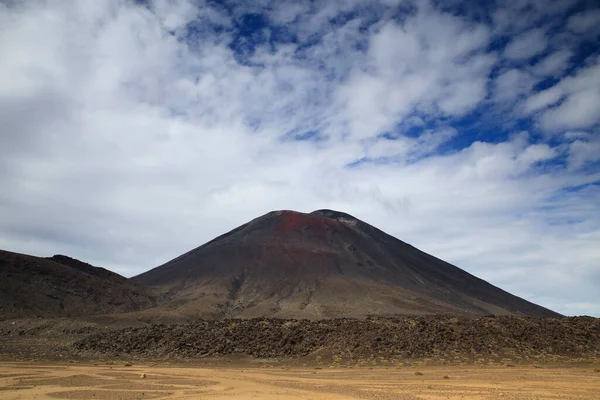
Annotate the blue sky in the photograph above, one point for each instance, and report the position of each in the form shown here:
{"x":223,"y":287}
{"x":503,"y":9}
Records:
{"x":133,"y":131}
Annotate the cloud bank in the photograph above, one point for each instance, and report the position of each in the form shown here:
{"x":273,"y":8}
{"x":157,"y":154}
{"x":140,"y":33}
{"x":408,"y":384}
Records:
{"x":131,"y":132}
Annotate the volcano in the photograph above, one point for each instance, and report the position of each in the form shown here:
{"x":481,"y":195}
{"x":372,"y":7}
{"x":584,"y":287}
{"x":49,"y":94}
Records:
{"x":324,"y":264}
{"x":62,"y":286}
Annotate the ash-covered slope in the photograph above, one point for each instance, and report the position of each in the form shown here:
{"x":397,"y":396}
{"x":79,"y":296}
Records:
{"x":321,"y":265}
{"x":64,"y":287}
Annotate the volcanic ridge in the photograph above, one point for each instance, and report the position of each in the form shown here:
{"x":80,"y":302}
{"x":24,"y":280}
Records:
{"x":61,"y":286}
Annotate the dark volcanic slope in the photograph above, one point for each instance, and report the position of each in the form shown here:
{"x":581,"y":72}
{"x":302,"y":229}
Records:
{"x":62,"y":286}
{"x":320,"y":265}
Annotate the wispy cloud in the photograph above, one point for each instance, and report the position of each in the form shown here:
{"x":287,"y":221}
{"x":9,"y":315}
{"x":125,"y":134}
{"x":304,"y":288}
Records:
{"x":526,"y":45}
{"x":134,"y":131}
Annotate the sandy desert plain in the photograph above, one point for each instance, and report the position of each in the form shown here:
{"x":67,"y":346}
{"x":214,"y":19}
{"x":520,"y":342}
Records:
{"x":115,"y":380}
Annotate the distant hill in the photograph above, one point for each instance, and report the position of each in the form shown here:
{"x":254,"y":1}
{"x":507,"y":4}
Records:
{"x":61,"y":286}
{"x":321,"y":265}
{"x":87,"y":268}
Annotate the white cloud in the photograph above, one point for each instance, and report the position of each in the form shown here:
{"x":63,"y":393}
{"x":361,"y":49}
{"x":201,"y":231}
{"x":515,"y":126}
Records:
{"x":125,"y":147}
{"x":387,"y":148}
{"x":527,"y":45}
{"x":461,"y":97}
{"x":586,"y":23}
{"x":404,"y":149}
{"x":542,"y":100}
{"x":512,"y":84}
{"x":582,"y":100}
{"x":554,"y":64}
{"x":513,"y":17}
{"x":174,"y":14}
{"x":289,"y":11}
{"x":579,"y":110}
{"x":431,"y":62}
{"x":573,"y":135}
{"x":583,"y":151}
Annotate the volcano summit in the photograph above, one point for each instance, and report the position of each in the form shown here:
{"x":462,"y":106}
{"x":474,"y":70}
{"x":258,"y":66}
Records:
{"x":320,"y":265}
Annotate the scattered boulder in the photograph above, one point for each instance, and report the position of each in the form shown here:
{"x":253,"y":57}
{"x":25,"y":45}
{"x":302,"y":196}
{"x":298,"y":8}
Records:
{"x":433,"y":337}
